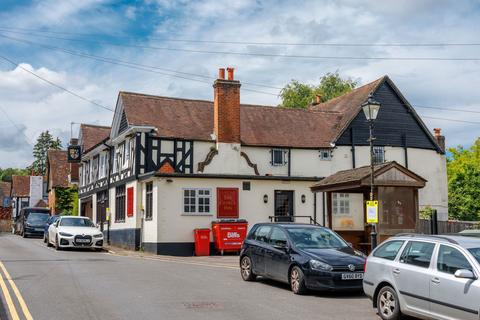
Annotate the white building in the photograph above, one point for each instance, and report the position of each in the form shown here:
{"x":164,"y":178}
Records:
{"x":185,"y":163}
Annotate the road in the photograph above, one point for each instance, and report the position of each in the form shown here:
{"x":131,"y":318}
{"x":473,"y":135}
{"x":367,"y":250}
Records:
{"x":91,"y":285}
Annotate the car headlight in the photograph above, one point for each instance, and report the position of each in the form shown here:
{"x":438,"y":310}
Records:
{"x":319,"y":265}
{"x":98,"y":235}
{"x":64,"y":234}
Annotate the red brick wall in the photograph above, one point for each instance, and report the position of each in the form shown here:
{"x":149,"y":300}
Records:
{"x":5,"y":213}
{"x":227,"y":110}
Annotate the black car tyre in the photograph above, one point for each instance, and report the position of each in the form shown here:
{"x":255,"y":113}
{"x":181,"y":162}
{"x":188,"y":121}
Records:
{"x":57,"y":246}
{"x":388,"y":306}
{"x":246,"y":269}
{"x":48,"y":241}
{"x":297,"y":281}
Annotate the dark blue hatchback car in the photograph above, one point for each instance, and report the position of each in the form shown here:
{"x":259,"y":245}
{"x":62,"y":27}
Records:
{"x":305,"y":256}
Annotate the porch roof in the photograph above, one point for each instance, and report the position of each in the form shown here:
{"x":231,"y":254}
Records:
{"x":385,"y":174}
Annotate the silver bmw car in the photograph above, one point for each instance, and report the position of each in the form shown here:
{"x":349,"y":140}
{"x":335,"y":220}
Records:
{"x":428,"y":277}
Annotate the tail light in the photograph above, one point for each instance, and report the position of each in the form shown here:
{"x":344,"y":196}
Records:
{"x":365,"y":266}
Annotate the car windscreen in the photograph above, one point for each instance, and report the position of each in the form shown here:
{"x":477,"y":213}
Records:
{"x":37,"y":217}
{"x":315,"y":238}
{"x":76,"y":222}
{"x":476,"y":253}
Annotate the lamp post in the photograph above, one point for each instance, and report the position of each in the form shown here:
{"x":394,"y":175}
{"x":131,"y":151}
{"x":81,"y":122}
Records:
{"x":371,"y":108}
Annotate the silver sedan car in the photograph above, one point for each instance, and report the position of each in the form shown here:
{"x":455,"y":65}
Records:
{"x":428,"y":277}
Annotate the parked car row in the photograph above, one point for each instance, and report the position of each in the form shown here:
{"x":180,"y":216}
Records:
{"x":429,"y":277}
{"x":58,"y":231}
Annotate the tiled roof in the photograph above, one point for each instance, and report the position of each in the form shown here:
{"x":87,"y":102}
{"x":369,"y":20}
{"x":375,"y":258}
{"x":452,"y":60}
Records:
{"x":4,"y":190}
{"x":92,"y":135}
{"x":20,"y":186}
{"x":260,"y":125}
{"x":358,"y":175}
{"x":58,"y":168}
{"x":350,"y":175}
{"x":349,"y":104}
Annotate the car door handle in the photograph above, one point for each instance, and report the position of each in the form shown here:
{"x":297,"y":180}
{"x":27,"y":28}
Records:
{"x":436,"y":280}
{"x":396,"y":271}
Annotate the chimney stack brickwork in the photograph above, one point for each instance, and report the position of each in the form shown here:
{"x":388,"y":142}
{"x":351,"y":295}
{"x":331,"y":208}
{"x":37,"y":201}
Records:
{"x":227,"y":108}
{"x":437,"y":132}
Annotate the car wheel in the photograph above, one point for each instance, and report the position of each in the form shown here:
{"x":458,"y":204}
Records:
{"x":246,"y":269}
{"x":48,"y":241}
{"x":388,"y":306}
{"x":57,"y":246}
{"x":297,"y":281}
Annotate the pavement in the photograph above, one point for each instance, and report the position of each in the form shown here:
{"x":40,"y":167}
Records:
{"x":40,"y":283}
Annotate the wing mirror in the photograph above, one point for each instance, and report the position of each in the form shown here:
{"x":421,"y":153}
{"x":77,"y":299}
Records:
{"x":465,"y":274}
{"x":281,"y":246}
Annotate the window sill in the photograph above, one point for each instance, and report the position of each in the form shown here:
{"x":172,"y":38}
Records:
{"x":197,"y":214}
{"x":119,"y":221}
{"x":148,"y":219}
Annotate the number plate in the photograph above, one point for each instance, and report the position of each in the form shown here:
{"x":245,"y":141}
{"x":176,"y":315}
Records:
{"x":352,"y":276}
{"x":82,"y":240}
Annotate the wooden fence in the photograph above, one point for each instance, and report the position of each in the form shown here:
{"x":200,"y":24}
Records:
{"x":424,"y":226}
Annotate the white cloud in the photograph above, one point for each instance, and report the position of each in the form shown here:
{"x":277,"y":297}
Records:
{"x":39,"y":106}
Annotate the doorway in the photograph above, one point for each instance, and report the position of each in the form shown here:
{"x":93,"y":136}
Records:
{"x":284,"y":206}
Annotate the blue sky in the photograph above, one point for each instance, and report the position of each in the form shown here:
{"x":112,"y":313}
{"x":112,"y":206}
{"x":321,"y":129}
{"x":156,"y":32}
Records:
{"x":123,"y":30}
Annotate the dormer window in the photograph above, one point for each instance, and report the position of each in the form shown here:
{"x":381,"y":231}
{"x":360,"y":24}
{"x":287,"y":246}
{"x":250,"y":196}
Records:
{"x":279,"y":157}
{"x":325,"y":154}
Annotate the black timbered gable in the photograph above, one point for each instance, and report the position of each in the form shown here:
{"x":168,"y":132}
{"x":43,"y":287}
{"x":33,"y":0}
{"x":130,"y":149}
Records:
{"x":397,"y":124}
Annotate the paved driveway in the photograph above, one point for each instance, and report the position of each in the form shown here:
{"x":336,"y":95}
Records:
{"x":90,"y":285}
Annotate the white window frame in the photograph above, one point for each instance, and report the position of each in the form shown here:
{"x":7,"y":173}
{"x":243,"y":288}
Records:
{"x":197,"y":202}
{"x":102,"y":166}
{"x":322,"y":154}
{"x":341,"y":203}
{"x":126,"y":154}
{"x":284,"y":157}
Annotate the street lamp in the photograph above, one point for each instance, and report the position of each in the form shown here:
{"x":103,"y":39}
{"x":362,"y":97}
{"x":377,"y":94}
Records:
{"x":371,"y":108}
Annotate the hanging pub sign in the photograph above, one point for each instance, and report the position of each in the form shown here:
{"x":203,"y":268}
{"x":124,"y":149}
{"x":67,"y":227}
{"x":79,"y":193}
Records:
{"x":74,"y":154}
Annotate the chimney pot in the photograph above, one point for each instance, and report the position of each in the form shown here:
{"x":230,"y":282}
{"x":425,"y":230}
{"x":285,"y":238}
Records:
{"x":437,"y":132}
{"x":230,"y":72}
{"x":318,"y":99}
{"x":221,"y":73}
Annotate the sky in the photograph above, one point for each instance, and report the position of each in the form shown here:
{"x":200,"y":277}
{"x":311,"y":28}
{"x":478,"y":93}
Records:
{"x":146,"y":44}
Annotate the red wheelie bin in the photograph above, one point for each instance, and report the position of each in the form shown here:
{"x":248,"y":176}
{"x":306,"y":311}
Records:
{"x":229,"y":234}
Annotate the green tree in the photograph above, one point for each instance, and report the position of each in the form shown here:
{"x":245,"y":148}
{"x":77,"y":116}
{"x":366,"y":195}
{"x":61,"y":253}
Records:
{"x":299,"y":95}
{"x":44,"y":143}
{"x":463,"y":169}
{"x":7,"y":173}
{"x":67,"y":201}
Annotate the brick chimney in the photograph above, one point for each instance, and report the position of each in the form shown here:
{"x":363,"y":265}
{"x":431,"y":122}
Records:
{"x":437,"y":132}
{"x":226,"y":107}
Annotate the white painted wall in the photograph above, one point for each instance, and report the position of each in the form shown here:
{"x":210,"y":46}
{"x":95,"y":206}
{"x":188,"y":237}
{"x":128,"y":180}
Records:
{"x":175,"y":226}
{"x":306,"y":163}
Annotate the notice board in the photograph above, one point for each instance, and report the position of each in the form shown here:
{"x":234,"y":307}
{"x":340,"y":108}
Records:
{"x":227,"y":202}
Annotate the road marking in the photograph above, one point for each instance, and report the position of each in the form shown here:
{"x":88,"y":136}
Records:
{"x":8,"y":299}
{"x":20,"y":299}
{"x":223,"y":266}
